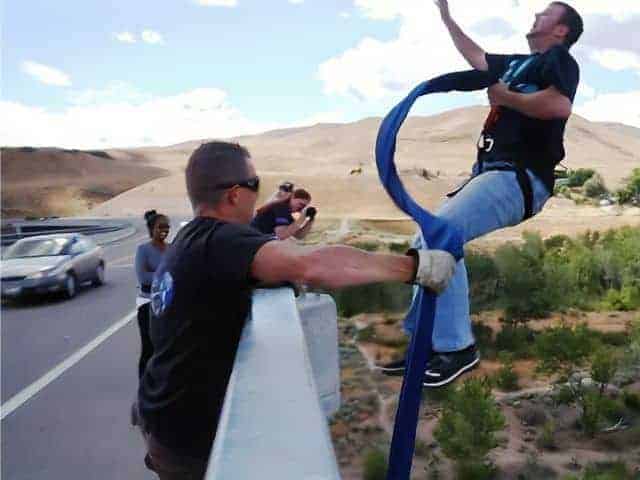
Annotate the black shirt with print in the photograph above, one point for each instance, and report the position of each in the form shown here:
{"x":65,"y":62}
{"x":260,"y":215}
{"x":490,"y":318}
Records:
{"x":510,"y":135}
{"x":200,"y":299}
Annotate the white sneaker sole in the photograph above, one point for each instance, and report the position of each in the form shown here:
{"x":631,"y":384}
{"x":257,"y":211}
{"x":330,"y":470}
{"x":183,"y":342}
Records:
{"x":450,"y":379}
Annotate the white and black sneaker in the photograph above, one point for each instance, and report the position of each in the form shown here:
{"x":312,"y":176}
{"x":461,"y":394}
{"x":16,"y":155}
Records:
{"x":444,"y":368}
{"x":395,"y":368}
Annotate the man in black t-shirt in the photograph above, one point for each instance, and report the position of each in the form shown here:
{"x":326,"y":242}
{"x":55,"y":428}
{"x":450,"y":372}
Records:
{"x":201,"y":295}
{"x":520,"y":145}
{"x":276,"y":219}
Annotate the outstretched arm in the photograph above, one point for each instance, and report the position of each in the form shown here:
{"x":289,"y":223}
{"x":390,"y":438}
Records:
{"x":341,"y":266}
{"x":469,"y":49}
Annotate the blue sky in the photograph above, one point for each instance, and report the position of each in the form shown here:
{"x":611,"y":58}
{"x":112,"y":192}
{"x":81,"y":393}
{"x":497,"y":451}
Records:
{"x":127,"y":73}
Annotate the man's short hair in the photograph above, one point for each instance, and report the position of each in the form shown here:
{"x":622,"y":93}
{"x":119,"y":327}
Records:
{"x":572,"y":19}
{"x":302,"y":194}
{"x":212,"y":164}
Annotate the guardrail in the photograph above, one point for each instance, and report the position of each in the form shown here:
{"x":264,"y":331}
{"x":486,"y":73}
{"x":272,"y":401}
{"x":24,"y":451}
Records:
{"x":273,"y":425}
{"x":25,"y":230}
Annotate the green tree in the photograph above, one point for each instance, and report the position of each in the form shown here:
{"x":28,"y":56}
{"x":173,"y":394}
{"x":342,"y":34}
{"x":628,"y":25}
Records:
{"x":466,"y":430}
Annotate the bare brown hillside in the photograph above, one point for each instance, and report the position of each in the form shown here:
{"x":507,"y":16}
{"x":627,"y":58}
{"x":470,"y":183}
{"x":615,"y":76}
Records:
{"x":51,"y":181}
{"x":321,"y":157}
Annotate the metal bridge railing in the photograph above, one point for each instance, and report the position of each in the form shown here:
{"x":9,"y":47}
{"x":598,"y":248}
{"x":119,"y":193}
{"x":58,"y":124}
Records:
{"x":285,"y":383}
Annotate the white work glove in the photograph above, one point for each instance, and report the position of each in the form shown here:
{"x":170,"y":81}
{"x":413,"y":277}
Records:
{"x":435,"y":268}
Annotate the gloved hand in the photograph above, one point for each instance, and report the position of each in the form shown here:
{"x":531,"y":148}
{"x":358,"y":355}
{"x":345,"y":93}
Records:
{"x":435,"y":268}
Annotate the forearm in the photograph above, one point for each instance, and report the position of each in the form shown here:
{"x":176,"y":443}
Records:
{"x":543,"y":105}
{"x":302,"y":232}
{"x":469,"y":49}
{"x":289,"y":231}
{"x":340,"y":266}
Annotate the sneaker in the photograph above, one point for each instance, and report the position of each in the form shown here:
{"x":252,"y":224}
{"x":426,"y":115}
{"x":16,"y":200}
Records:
{"x":393,"y":368}
{"x":444,"y":368}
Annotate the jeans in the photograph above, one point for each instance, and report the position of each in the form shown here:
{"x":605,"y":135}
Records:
{"x":487,"y":202}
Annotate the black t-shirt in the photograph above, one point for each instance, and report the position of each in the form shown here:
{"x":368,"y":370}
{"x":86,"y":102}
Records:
{"x":278,"y":215}
{"x":200,"y":298}
{"x":510,"y":135}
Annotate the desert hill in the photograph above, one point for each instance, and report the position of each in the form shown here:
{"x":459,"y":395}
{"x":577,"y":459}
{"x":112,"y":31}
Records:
{"x":52,"y":181}
{"x":335,"y":162}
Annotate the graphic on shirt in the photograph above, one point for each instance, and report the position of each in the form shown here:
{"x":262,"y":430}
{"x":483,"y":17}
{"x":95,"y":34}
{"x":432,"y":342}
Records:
{"x":161,"y":293}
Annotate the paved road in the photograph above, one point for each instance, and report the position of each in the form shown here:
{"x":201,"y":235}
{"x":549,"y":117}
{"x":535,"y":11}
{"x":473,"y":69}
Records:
{"x":76,"y":427}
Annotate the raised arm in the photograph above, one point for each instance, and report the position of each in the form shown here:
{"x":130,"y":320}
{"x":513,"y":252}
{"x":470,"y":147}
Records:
{"x":470,"y":50}
{"x":341,"y":266}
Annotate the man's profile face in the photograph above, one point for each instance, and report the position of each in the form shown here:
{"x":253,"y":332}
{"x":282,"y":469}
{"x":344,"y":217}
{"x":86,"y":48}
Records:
{"x":546,"y":21}
{"x":298,"y":204}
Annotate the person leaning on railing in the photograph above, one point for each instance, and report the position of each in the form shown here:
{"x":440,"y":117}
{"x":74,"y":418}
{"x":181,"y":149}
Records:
{"x":201,"y":296}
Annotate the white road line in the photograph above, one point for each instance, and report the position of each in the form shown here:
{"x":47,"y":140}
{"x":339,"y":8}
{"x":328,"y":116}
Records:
{"x":23,"y":396}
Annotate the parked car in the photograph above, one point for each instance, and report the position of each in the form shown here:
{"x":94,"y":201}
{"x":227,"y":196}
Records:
{"x":51,"y":263}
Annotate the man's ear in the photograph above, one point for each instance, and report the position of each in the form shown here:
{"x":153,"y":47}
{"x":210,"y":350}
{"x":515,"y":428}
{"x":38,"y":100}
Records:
{"x":233,"y":196}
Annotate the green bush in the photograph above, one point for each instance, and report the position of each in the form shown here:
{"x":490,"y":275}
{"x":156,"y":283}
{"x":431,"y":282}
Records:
{"x":547,"y":438}
{"x":530,"y":280}
{"x":625,"y":299}
{"x":484,"y":279}
{"x":594,"y":187}
{"x":484,"y":339}
{"x":563,"y":348}
{"x":631,"y":400}
{"x":517,"y":339}
{"x":399,"y":247}
{"x":379,"y":297}
{"x":365,"y":245}
{"x":374,"y":465}
{"x":604,"y":365}
{"x":466,"y":430}
{"x":506,"y":378}
{"x":631,"y":191}
{"x":607,"y":471}
{"x":577,"y":178}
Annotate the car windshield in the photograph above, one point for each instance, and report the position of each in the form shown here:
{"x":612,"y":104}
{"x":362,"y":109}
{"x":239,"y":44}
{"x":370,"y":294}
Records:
{"x":36,"y":248}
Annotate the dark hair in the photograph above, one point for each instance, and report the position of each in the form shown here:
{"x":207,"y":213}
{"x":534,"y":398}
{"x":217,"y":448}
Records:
{"x":212,"y":164}
{"x":572,"y":19}
{"x":301,"y":193}
{"x":151,"y":217}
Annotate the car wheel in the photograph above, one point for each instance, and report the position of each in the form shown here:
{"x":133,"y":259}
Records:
{"x":70,"y":285}
{"x":98,"y":278}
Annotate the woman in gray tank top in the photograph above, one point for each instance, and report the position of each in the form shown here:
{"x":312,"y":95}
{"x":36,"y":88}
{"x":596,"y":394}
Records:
{"x":148,"y":258}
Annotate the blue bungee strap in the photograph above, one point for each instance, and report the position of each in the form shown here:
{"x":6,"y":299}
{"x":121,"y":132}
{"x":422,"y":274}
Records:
{"x":438,"y":234}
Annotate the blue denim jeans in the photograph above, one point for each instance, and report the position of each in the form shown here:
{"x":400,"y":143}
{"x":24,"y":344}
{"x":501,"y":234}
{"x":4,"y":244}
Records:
{"x":488,"y":202}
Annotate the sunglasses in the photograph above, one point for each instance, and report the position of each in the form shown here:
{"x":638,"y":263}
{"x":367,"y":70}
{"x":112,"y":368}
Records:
{"x":252,"y":184}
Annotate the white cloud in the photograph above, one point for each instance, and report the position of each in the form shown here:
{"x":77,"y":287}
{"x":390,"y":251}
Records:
{"x":373,"y":69}
{"x":616,"y":60}
{"x":585,"y":90}
{"x":100,"y":119}
{"x":151,"y":37}
{"x":613,"y":107}
{"x":217,"y":3}
{"x":344,"y":15}
{"x":296,"y":2}
{"x":45,"y":74}
{"x":114,"y":92}
{"x":125,"y":37}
